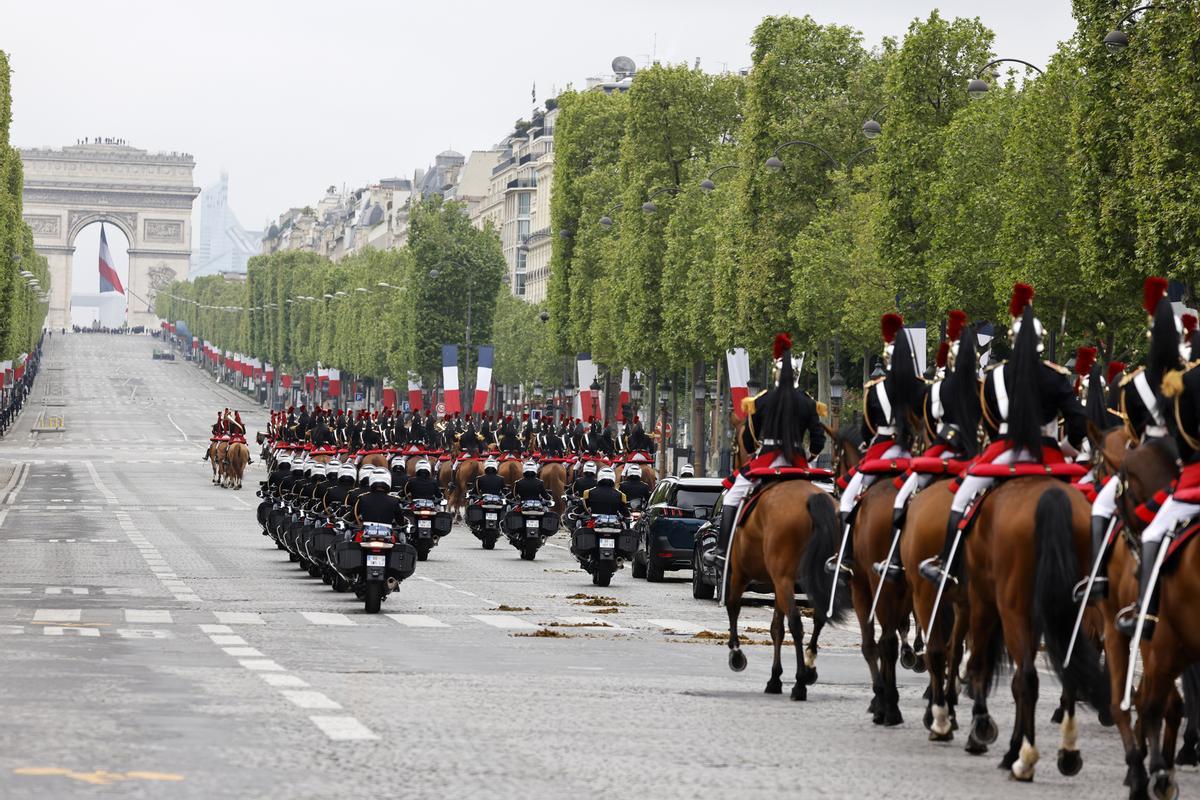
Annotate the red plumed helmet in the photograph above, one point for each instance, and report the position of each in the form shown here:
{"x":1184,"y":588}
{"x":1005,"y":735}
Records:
{"x":1152,"y":291}
{"x":890,"y":325}
{"x":956,"y":322}
{"x":943,"y":353}
{"x":1189,"y":324}
{"x":1115,"y":368}
{"x":1022,"y":295}
{"x":783,"y":342}
{"x":1085,"y":357}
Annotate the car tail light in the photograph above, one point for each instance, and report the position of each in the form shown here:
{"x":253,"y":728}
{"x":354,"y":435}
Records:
{"x":666,"y":555}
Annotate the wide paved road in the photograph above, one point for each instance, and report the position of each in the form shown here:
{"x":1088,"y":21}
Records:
{"x":154,"y":644}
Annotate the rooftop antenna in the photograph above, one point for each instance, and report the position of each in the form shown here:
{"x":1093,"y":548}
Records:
{"x":697,"y":63}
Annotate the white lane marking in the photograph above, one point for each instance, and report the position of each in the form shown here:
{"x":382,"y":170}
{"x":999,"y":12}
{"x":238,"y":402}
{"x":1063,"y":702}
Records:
{"x":12,"y":496}
{"x":57,"y":614}
{"x":260,"y":665}
{"x":240,"y":500}
{"x":591,"y":622}
{"x":310,"y":699}
{"x":417,"y":621}
{"x":144,"y":633}
{"x":275,"y":679}
{"x":67,"y":590}
{"x":109,"y":497}
{"x":242,"y":652}
{"x":181,"y":431}
{"x":677,"y":625}
{"x":239,"y":617}
{"x":226,"y":639}
{"x":326,"y":618}
{"x":436,"y":583}
{"x":54,"y":630}
{"x":343,"y":729}
{"x":505,"y":622}
{"x":11,"y":630}
{"x":147,"y":615}
{"x":559,"y":546}
{"x":15,"y":590}
{"x":216,"y":629}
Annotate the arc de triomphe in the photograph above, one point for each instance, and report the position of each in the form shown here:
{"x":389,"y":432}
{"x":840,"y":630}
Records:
{"x":147,"y":195}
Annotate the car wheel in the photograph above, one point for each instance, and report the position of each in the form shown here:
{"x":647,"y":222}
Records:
{"x":639,"y":566}
{"x":654,"y":569}
{"x":700,"y":589}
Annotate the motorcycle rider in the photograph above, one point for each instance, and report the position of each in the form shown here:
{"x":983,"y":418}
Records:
{"x":377,"y":505}
{"x":490,"y":481}
{"x":530,"y":486}
{"x":423,"y":486}
{"x":688,"y":471}
{"x":632,"y":485}
{"x":586,"y":479}
{"x":335,"y":496}
{"x":604,"y":498}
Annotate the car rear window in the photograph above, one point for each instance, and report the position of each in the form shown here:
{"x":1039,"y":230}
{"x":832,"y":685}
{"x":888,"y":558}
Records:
{"x":691,"y":499}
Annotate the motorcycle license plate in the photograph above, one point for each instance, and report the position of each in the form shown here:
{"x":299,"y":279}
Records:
{"x":492,"y":517}
{"x":376,"y":561}
{"x":424,"y":523}
{"x":532,"y":523}
{"x":608,"y":544}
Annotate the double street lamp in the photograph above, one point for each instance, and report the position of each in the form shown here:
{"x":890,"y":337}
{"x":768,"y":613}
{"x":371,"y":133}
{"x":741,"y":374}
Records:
{"x":707,"y":184}
{"x":775,"y":163}
{"x":977,"y":87}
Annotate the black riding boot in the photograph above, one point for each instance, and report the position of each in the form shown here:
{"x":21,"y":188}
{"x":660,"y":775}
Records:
{"x":931,"y":569}
{"x":728,"y":515}
{"x":1127,"y":616}
{"x":1100,"y":585}
{"x":893,"y":570}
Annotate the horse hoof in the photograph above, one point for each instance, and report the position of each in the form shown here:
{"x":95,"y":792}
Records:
{"x":800,"y":692}
{"x":1105,"y":717}
{"x":810,"y":676}
{"x":920,"y":666}
{"x":1057,"y":717}
{"x":1069,"y":762}
{"x":774,"y":687}
{"x":974,"y":746}
{"x":877,"y":718}
{"x":1187,"y":756}
{"x":892,"y":717}
{"x":1164,"y":787}
{"x":737,"y":660}
{"x":874,"y":704}
{"x":983,"y":728}
{"x":927,"y":720}
{"x":908,"y":659}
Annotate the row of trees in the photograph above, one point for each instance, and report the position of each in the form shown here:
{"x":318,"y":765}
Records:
{"x":377,"y":313}
{"x":24,"y":275}
{"x":1080,"y":180}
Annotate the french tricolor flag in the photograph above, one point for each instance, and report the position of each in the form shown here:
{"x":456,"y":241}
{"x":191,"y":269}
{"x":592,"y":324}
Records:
{"x":585,"y":372}
{"x":624,"y":399}
{"x":335,"y":382}
{"x":109,"y":280}
{"x":450,"y":379}
{"x":414,"y":391}
{"x":483,"y":378}
{"x":739,"y":377}
{"x":389,"y":394}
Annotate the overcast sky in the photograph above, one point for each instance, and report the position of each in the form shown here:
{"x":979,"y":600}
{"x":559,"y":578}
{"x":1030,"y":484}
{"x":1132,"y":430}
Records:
{"x":290,"y":97}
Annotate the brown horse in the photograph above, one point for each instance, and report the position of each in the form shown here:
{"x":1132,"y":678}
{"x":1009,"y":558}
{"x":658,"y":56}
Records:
{"x":216,"y":457}
{"x":649,"y":475}
{"x":464,"y":481}
{"x":556,"y":477}
{"x":234,"y":467}
{"x":1024,"y":554}
{"x":789,"y":537}
{"x":374,"y":460}
{"x":510,"y":471}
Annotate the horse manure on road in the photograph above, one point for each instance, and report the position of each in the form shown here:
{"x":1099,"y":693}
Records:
{"x":544,"y":633}
{"x":607,"y":611}
{"x":594,"y":600}
{"x":503,"y":607}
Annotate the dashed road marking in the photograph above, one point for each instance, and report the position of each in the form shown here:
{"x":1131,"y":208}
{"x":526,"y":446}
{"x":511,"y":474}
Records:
{"x":147,"y":615}
{"x":238,"y":617}
{"x":343,"y":729}
{"x":57,"y":614}
{"x":242,"y":652}
{"x":55,"y":630}
{"x":326,"y":618}
{"x":275,"y":679}
{"x":310,"y":699}
{"x":417,"y":621}
{"x":505,"y":622}
{"x":260,"y":665}
{"x":677,"y":625}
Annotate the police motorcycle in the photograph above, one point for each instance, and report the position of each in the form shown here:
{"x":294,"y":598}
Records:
{"x":602,"y":543}
{"x":485,"y":516}
{"x":372,"y":559}
{"x":428,"y":522}
{"x":530,"y":522}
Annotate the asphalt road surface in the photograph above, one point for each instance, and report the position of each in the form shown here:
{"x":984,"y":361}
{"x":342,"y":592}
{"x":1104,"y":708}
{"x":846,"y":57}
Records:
{"x":154,"y":644}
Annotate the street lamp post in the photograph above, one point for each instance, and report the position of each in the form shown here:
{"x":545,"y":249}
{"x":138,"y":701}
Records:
{"x":649,"y":207}
{"x":1117,"y":40}
{"x":977,"y":87}
{"x":775,"y":163}
{"x":664,"y":399}
{"x":707,"y":184}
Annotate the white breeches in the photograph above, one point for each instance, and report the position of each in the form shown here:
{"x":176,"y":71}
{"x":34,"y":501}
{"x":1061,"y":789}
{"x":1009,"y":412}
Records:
{"x":742,"y":485}
{"x":860,"y":483}
{"x":1105,"y":504}
{"x":911,"y":485}
{"x":974,"y":485}
{"x":1171,"y":514}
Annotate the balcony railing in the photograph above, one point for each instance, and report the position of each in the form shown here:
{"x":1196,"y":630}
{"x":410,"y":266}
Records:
{"x":503,"y":165}
{"x":522,"y":183}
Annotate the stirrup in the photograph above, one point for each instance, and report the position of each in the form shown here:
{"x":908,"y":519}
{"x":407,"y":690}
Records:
{"x":1099,"y":589}
{"x":712,"y":557}
{"x":888,"y":571}
{"x":845,"y":571}
{"x":931,"y":569}
{"x":1126,"y":621}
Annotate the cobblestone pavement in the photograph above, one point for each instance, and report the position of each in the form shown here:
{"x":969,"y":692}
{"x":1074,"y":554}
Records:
{"x":153,"y":644}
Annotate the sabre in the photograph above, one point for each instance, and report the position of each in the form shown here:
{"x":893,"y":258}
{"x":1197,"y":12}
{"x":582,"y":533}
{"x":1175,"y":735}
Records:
{"x":729,"y":553}
{"x":1087,"y":592}
{"x":1141,"y":622}
{"x":937,"y":601}
{"x":837,"y":568}
{"x":883,"y":577}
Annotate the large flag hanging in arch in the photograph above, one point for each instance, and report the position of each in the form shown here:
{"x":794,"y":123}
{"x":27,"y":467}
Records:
{"x":109,"y":280}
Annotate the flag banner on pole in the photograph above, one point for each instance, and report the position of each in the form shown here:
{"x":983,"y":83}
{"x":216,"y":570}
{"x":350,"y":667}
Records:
{"x":483,"y":378}
{"x":414,"y":392}
{"x":450,"y":379}
{"x":738,"y":362}
{"x":389,"y":393}
{"x":109,"y":280}
{"x":322,"y":376}
{"x":269,"y":372}
{"x":624,"y":398}
{"x":335,"y":381}
{"x":285,"y":380}
{"x":585,"y":370}
{"x":310,"y":382}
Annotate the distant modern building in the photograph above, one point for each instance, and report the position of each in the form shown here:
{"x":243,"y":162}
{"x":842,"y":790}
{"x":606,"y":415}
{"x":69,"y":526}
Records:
{"x":222,"y":244}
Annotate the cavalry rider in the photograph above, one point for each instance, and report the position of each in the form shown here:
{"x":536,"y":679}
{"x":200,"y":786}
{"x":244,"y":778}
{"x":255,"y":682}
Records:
{"x":526,"y":430}
{"x":490,"y":481}
{"x":951,"y":418}
{"x":423,"y":486}
{"x":508,"y":438}
{"x":890,"y":402}
{"x":639,"y":442}
{"x":1138,"y":402}
{"x":372,"y":439}
{"x":218,"y":431}
{"x":1023,"y":399}
{"x":604,"y":498}
{"x":586,"y":479}
{"x":322,"y":436}
{"x":777,"y":420}
{"x":632,"y":485}
{"x":530,"y":486}
{"x":470,"y":440}
{"x":607,"y":443}
{"x":378,"y":505}
{"x":1178,"y":401}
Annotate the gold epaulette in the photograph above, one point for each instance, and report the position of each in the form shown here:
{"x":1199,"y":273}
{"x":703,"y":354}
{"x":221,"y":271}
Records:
{"x":1058,"y":368}
{"x":822,"y":409}
{"x":1129,"y":376}
{"x":748,"y":404}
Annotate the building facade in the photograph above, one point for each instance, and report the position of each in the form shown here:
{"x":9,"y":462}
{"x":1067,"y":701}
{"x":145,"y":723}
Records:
{"x":222,"y":245}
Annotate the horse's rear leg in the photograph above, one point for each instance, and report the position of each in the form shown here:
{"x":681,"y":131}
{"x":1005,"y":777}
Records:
{"x":733,"y":607}
{"x":980,"y":666}
{"x":804,"y":675}
{"x":1022,"y":755}
{"x":810,"y":652}
{"x":870,"y":649}
{"x":775,"y":684}
{"x":1069,"y":760}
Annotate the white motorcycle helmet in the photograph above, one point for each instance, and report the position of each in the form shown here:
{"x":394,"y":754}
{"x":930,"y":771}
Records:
{"x":607,"y":476}
{"x":688,"y":471}
{"x":381,"y":477}
{"x":490,"y":464}
{"x":633,"y":471}
{"x":331,"y":468}
{"x":589,"y":468}
{"x":530,"y":468}
{"x":347,"y":472}
{"x":423,"y":466}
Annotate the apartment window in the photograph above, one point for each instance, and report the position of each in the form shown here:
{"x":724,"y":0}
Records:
{"x":522,"y":230}
{"x":523,"y":203}
{"x":519,"y":289}
{"x":522,"y":257}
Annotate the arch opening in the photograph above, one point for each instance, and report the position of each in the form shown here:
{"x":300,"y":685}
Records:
{"x":89,"y":306}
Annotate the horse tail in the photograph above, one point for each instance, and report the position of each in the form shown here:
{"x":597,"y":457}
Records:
{"x":822,"y":544}
{"x":1055,"y":571}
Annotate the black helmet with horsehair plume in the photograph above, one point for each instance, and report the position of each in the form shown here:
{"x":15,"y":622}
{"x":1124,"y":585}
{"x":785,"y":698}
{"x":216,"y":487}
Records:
{"x":780,"y":423}
{"x":1165,"y":331}
{"x":963,"y":399}
{"x":903,"y":382}
{"x":1021,"y":375}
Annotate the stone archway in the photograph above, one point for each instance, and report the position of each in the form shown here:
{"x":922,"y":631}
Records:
{"x":147,"y":195}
